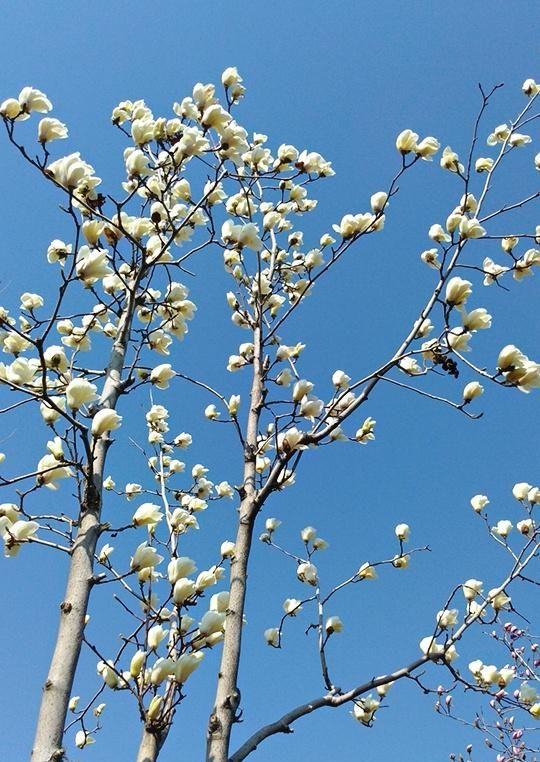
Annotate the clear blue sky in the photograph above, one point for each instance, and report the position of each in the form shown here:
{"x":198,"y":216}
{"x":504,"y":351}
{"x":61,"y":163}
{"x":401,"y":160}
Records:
{"x":341,"y":78}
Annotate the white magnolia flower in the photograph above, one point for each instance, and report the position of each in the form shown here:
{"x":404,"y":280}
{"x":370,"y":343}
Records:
{"x":147,"y":514}
{"x":307,"y":573}
{"x":51,"y":129}
{"x":271,"y":635}
{"x":333,"y":624}
{"x":80,"y":392}
{"x":161,"y":375}
{"x":479,"y":502}
{"x":105,"y":420}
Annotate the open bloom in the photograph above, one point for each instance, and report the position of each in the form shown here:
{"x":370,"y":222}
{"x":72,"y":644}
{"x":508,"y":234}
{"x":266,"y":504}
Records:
{"x":471,"y":228}
{"x":402,"y":532}
{"x":406,"y":141}
{"x":271,"y":635}
{"x":31,"y":99}
{"x":450,"y":160}
{"x":307,"y":573}
{"x":161,"y":375}
{"x":479,"y":502}
{"x":147,"y":514}
{"x":366,"y":571}
{"x":471,"y":588}
{"x":15,"y":534}
{"x":51,"y":129}
{"x":105,"y":420}
{"x":457,"y":291}
{"x":79,"y":392}
{"x":145,"y":557}
{"x":364,"y":709}
{"x":184,"y":588}
{"x":51,"y":471}
{"x":333,"y":624}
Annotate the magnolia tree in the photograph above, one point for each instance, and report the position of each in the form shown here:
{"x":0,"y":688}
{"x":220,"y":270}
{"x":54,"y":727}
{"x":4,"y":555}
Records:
{"x":195,"y":181}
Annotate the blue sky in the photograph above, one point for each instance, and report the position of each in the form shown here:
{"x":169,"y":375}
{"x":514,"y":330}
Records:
{"x":343,"y":79}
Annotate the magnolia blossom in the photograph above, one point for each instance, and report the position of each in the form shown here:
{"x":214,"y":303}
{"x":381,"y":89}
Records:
{"x":51,"y":472}
{"x":366,"y":571}
{"x":526,"y":526}
{"x":340,"y":379}
{"x":503,"y":528}
{"x":364,"y":709}
{"x":211,"y":622}
{"x":272,"y":524}
{"x":145,"y":557}
{"x":82,"y":739}
{"x":430,"y":258}
{"x":430,"y":647}
{"x":79,"y":392}
{"x":479,"y":502}
{"x":184,"y":588}
{"x":333,"y":624}
{"x":31,"y":99}
{"x":521,"y":490}
{"x":365,"y":433}
{"x":161,"y":375}
{"x":92,"y":265}
{"x":51,"y":414}
{"x":471,"y":228}
{"x":307,"y":572}
{"x":292,"y":606}
{"x":402,"y":532}
{"x":211,"y":412}
{"x":105,"y":420}
{"x":51,"y":129}
{"x":155,"y":635}
{"x":484,"y":164}
{"x":31,"y":301}
{"x":498,"y":599}
{"x":16,"y":533}
{"x":450,"y":161}
{"x":378,"y":201}
{"x":186,"y":664}
{"x":427,"y":147}
{"x":308,"y":534}
{"x":271,"y":635}
{"x":72,"y":172}
{"x":147,"y":514}
{"x":180,"y":567}
{"x":227,"y":549}
{"x":410,"y":366}
{"x":471,"y":588}
{"x":447,"y":618}
{"x":457,"y":291}
{"x":132,"y":490}
{"x":406,"y":141}
{"x":437,"y":233}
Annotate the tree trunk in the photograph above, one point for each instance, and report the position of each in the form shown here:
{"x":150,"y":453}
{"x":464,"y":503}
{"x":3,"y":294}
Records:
{"x":48,"y":744}
{"x":57,"y":688}
{"x":227,"y":700}
{"x":149,"y":747}
{"x":228,"y":695}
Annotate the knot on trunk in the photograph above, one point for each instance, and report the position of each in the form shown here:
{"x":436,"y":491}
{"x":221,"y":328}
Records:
{"x":214,"y":724}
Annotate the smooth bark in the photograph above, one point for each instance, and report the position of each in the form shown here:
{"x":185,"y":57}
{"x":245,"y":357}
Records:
{"x":48,"y":744}
{"x":227,"y":701}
